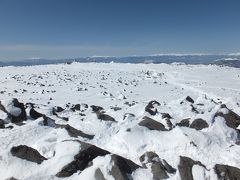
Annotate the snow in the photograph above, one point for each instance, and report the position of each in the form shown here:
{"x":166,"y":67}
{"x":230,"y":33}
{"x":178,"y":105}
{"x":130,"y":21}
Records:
{"x":112,"y":85}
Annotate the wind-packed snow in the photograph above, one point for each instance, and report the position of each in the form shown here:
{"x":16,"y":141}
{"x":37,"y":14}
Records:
{"x":123,"y":90}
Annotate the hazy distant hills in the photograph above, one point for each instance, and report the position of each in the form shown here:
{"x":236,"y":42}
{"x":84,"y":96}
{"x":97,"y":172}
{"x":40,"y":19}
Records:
{"x":228,"y":60}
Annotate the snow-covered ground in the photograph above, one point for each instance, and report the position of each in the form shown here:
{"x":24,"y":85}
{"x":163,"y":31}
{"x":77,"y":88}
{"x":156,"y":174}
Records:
{"x":128,"y":93}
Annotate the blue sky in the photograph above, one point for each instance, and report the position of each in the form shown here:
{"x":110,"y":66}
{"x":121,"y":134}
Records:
{"x":74,"y":28}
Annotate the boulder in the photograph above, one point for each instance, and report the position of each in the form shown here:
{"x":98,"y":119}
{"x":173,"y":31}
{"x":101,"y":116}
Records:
{"x":185,"y":167}
{"x":166,"y":115}
{"x":96,"y":108}
{"x":14,"y":109}
{"x":58,"y":109}
{"x":76,"y":107}
{"x":34,"y":114}
{"x":152,"y":124}
{"x":48,"y":121}
{"x":2,"y":125}
{"x":199,"y":124}
{"x":184,"y":123}
{"x":122,"y":167}
{"x":159,"y":167}
{"x":82,"y":160}
{"x":189,"y":99}
{"x":27,"y":153}
{"x":232,"y":119}
{"x":225,"y":172}
{"x":169,"y":124}
{"x":99,"y":175}
{"x":151,"y":107}
{"x":76,"y":133}
{"x":105,"y":117}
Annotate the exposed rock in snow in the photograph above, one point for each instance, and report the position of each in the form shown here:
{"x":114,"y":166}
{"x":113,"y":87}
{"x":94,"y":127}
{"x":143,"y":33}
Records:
{"x":185,"y":167}
{"x":199,"y":124}
{"x":159,"y":168}
{"x":27,"y":153}
{"x":226,"y":172}
{"x":51,"y":122}
{"x":151,"y":107}
{"x":14,"y":110}
{"x":184,"y":122}
{"x":152,"y":124}
{"x":82,"y":160}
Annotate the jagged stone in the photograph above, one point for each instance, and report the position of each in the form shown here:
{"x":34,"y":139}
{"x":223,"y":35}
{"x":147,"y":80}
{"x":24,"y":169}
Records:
{"x":184,"y":123}
{"x":159,"y":167}
{"x":99,"y":175}
{"x":169,"y":124}
{"x":225,"y":172}
{"x":150,"y":107}
{"x":2,"y":125}
{"x":76,"y":107}
{"x":76,"y":133}
{"x":199,"y":124}
{"x":166,"y":115}
{"x":152,"y":124}
{"x":48,"y":121}
{"x":122,"y":167}
{"x":58,"y":109}
{"x":105,"y":117}
{"x":15,"y":117}
{"x":185,"y":167}
{"x":82,"y":160}
{"x":27,"y":153}
{"x":232,"y":119}
{"x":34,"y":114}
{"x":96,"y":108}
{"x":189,"y":99}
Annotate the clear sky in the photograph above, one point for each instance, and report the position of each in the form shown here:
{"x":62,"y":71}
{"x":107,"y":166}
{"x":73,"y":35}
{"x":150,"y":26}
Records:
{"x":74,"y":28}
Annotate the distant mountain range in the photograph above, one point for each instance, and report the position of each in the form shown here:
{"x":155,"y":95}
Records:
{"x":228,"y":60}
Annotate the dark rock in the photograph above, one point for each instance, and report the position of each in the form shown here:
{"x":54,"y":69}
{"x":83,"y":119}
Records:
{"x":199,"y":124}
{"x":185,"y":167}
{"x":34,"y":114}
{"x":150,"y":107}
{"x":11,"y":178}
{"x":148,"y":157}
{"x":166,"y":115}
{"x":122,"y":167}
{"x":99,"y":175}
{"x":168,"y":167}
{"x":96,"y":108}
{"x":169,"y":123}
{"x":48,"y":121}
{"x":76,"y":107}
{"x":15,"y":119}
{"x":27,"y":153}
{"x":152,"y":124}
{"x":189,"y":99}
{"x":75,"y":132}
{"x":159,"y":167}
{"x":184,"y":123}
{"x":58,"y":109}
{"x":82,"y":160}
{"x":116,"y":108}
{"x":105,"y":117}
{"x":225,"y":172}
{"x":194,"y":109}
{"x":232,"y":119}
{"x":2,"y":125}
